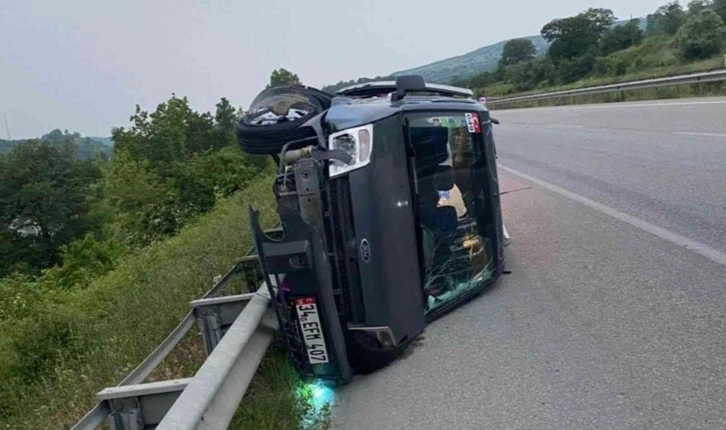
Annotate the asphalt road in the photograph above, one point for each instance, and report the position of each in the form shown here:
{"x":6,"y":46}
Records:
{"x":607,"y":321}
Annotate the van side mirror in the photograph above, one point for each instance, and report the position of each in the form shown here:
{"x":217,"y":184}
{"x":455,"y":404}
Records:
{"x":494,"y":120}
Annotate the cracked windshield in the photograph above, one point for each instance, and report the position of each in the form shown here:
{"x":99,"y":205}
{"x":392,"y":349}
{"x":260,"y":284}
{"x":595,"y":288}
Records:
{"x":457,"y":255}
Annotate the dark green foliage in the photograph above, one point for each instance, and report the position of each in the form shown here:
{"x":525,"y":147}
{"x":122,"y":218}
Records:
{"x":45,"y":199}
{"x":517,"y":51}
{"x":621,"y":37}
{"x":576,"y":68}
{"x":86,"y":147}
{"x":621,"y":67}
{"x":575,"y":36}
{"x":59,"y":346}
{"x":695,"y":7}
{"x":283,"y":77}
{"x":666,"y":20}
{"x":702,"y":36}
{"x":172,"y":165}
{"x":591,"y":44}
{"x":719,"y":6}
{"x":522,"y":76}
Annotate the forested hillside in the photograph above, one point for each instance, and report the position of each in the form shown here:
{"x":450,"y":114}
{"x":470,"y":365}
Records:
{"x":99,"y":257}
{"x":86,"y":147}
{"x":587,"y":47}
{"x":591,"y":46}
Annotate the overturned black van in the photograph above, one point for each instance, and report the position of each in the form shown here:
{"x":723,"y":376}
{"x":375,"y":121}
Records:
{"x":389,"y":207}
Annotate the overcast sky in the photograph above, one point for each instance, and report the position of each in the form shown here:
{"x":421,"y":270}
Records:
{"x":83,"y":65}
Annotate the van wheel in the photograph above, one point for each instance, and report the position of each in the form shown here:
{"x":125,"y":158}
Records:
{"x":276,"y":117}
{"x":366,"y":355}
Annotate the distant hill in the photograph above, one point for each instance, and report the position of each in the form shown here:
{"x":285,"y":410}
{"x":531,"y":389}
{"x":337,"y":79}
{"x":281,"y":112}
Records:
{"x":88,"y":147}
{"x":484,"y":59}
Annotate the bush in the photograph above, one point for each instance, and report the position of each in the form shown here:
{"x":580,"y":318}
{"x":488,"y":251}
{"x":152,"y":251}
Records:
{"x":702,"y":36}
{"x":81,"y":262}
{"x":59,"y":347}
{"x":171,"y":166}
{"x":621,"y":67}
{"x":45,"y":200}
{"x":522,"y":76}
{"x":621,"y":37}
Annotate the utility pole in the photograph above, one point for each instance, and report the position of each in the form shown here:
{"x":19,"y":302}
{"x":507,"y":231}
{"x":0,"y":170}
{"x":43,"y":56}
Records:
{"x":7,"y":128}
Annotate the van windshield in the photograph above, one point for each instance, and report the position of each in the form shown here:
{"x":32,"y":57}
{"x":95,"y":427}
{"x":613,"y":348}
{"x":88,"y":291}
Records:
{"x":457,"y":254}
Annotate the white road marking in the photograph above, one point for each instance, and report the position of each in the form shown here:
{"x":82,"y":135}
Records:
{"x":563,"y":126}
{"x":675,"y":238}
{"x":618,"y":106}
{"x":695,"y":133}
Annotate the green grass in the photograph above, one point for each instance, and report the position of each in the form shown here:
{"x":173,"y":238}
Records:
{"x":67,"y":345}
{"x":270,"y":404}
{"x":656,"y":57}
{"x":709,"y":89}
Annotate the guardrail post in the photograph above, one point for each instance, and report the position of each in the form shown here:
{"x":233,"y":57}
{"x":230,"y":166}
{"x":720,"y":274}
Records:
{"x":216,"y":314}
{"x":141,"y":406}
{"x":208,"y":320}
{"x":125,"y":415}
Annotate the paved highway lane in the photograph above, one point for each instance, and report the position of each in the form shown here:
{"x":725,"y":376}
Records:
{"x":601,"y":324}
{"x":663,"y":162}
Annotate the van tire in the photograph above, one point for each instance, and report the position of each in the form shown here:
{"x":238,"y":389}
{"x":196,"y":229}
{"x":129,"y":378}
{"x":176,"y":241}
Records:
{"x":269,"y":139}
{"x":366,"y":355}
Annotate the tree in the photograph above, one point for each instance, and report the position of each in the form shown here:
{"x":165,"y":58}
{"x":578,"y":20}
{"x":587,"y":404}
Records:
{"x":719,"y":6}
{"x":517,"y":51}
{"x":574,"y":36}
{"x":225,"y":115}
{"x":695,"y":7}
{"x":621,"y":37}
{"x":522,"y":76}
{"x":170,"y":166}
{"x":45,"y":200}
{"x":666,"y":20}
{"x":283,"y":77}
{"x":482,"y":80}
{"x":577,"y":68}
{"x":701,"y":36}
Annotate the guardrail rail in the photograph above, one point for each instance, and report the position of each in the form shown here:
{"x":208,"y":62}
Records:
{"x":236,"y":331}
{"x":692,"y":78}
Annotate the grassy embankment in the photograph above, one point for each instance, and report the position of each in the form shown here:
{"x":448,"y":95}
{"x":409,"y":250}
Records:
{"x":84,"y":340}
{"x":656,"y":57}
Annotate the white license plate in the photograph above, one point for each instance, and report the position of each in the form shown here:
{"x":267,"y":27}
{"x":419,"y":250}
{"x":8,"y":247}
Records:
{"x":312,"y":331}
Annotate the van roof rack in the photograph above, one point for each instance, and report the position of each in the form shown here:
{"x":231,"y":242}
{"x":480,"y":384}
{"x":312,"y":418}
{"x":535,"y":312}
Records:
{"x":403,"y":85}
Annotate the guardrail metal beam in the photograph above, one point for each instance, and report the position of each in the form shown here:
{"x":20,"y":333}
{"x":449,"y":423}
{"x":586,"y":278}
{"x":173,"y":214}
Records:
{"x":133,"y":404}
{"x":693,"y":78}
{"x":212,"y":396}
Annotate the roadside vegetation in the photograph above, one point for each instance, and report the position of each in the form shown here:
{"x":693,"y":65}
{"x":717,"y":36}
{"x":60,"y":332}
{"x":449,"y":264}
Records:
{"x":102,"y":254}
{"x":589,"y":49}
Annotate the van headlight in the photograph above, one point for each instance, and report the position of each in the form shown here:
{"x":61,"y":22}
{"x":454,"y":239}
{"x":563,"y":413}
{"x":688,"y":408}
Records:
{"x":357,"y":142}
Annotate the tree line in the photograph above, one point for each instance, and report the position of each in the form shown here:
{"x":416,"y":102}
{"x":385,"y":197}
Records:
{"x":591,"y":44}
{"x":86,"y":147}
{"x":61,"y":205}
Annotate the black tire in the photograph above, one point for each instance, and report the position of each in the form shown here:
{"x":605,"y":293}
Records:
{"x":366,"y":355}
{"x":269,"y":138}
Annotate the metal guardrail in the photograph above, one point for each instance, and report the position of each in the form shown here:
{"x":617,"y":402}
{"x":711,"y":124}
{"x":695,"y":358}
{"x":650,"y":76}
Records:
{"x":236,"y":329}
{"x":693,"y":78}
